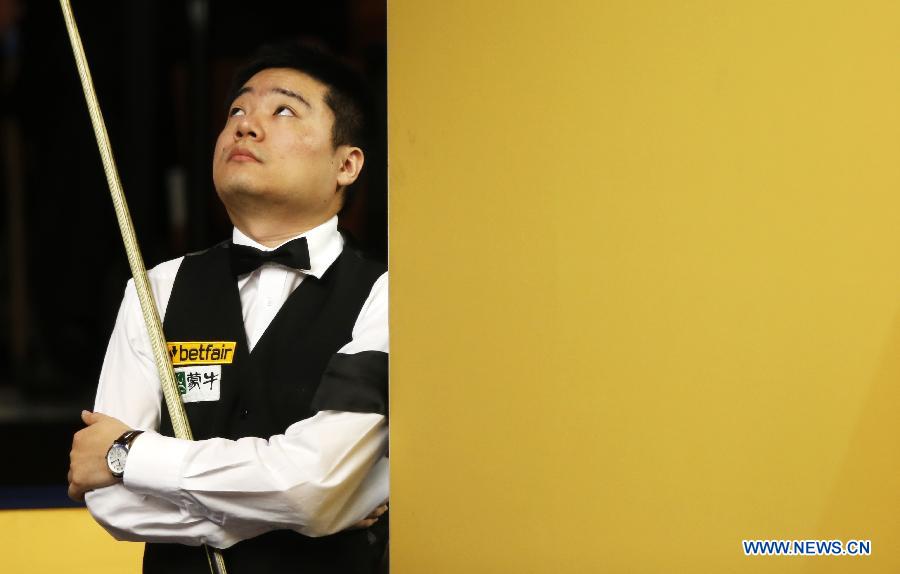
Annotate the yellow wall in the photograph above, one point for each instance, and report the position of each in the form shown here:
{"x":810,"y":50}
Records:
{"x":62,"y":541}
{"x":646,"y":284}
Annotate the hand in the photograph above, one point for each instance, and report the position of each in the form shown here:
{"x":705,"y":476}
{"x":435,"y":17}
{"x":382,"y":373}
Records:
{"x":371,"y":519}
{"x":87,"y":461}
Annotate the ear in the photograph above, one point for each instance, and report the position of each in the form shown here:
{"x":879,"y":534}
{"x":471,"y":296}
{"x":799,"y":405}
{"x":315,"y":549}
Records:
{"x":352,"y":159}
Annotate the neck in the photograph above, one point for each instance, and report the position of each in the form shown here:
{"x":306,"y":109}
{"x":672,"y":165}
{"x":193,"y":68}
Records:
{"x":273,"y":233}
{"x":273,"y":220}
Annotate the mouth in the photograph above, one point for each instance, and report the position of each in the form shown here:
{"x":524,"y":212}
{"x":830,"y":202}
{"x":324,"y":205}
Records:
{"x":242,"y":155}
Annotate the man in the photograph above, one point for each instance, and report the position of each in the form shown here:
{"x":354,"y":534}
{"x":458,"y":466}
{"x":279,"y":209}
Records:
{"x":279,"y":342}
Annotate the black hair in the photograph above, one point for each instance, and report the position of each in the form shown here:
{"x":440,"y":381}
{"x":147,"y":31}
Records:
{"x":347,"y":95}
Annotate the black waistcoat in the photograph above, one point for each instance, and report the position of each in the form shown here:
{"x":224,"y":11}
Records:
{"x":292,"y":373}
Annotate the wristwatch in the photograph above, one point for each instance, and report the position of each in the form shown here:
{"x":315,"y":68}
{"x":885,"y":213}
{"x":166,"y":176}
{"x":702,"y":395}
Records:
{"x":118,"y":453}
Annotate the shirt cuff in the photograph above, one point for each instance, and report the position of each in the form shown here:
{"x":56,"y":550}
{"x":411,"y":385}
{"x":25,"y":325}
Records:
{"x":155,"y":463}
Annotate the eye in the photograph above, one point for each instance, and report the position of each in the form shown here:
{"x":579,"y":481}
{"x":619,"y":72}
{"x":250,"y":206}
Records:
{"x":235,"y":112}
{"x":284,"y":111}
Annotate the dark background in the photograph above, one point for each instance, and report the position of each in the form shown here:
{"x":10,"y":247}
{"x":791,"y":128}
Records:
{"x":160,"y":69}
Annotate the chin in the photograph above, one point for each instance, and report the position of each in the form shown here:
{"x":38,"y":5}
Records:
{"x":251,"y":198}
{"x":240,"y":187}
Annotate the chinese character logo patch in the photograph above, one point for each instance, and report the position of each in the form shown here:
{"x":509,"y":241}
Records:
{"x":199,"y":382}
{"x":198,"y":368}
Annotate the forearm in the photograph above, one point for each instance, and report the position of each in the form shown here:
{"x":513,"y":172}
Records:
{"x":135,"y":517}
{"x":324,"y":474}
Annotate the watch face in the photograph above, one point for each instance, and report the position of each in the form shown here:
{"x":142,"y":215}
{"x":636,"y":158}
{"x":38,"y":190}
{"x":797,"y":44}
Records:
{"x":115,"y":459}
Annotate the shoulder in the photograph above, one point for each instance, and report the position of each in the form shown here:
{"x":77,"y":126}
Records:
{"x":167,"y":270}
{"x":380,"y":287}
{"x":163,"y":275}
{"x":373,"y":273}
{"x":161,"y":278}
{"x":362,"y":261}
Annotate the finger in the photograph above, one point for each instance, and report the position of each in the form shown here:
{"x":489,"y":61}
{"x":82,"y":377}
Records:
{"x":364,"y":523}
{"x":75,"y":493}
{"x":87,"y":417}
{"x":374,"y":513}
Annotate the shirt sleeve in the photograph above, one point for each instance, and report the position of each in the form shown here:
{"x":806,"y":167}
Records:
{"x":356,"y":378}
{"x":322,"y":475}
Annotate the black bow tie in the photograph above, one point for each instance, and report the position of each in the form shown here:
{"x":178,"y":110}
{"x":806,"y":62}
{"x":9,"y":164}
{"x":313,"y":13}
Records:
{"x":245,"y":259}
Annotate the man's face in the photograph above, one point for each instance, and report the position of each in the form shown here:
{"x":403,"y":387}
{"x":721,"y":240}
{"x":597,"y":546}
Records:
{"x":277,"y":146}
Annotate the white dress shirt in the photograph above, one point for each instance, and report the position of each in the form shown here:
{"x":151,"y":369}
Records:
{"x":319,"y":477}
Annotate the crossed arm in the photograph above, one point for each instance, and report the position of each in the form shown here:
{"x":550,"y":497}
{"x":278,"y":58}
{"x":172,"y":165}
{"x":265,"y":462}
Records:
{"x":324,"y":474}
{"x":220,"y":491}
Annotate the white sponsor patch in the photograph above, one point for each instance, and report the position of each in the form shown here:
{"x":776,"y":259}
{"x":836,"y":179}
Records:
{"x":199,"y":382}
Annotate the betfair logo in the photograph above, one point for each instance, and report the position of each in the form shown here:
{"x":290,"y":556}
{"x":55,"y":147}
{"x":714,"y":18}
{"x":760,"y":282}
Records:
{"x":201,"y":353}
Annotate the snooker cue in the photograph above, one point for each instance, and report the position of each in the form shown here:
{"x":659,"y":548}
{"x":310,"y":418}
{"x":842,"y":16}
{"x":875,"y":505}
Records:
{"x":174,"y":404}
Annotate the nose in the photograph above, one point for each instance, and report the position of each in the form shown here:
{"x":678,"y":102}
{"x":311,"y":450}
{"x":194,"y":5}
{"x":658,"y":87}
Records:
{"x":248,"y":127}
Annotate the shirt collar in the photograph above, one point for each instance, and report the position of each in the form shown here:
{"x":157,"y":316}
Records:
{"x":324,"y":241}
